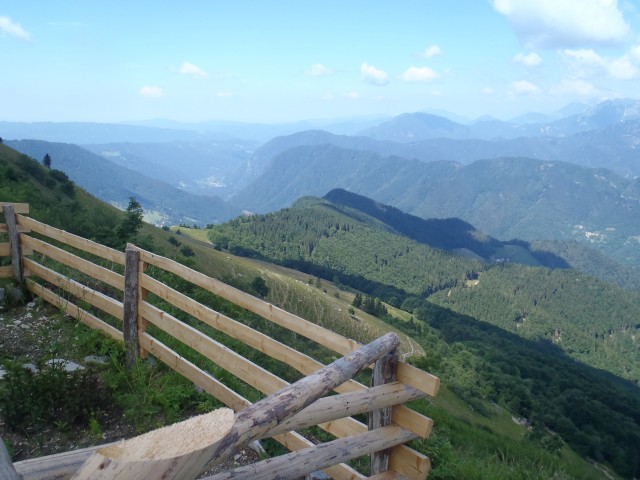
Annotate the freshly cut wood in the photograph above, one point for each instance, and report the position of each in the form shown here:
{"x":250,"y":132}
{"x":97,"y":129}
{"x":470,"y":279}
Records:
{"x":177,"y":451}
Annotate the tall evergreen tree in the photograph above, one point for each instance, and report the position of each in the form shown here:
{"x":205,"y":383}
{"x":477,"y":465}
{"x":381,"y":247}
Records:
{"x":46,"y":161}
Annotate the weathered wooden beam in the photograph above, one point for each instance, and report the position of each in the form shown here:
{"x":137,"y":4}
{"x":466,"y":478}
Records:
{"x":14,"y":242}
{"x":331,"y":408}
{"x":130,"y":304}
{"x":255,"y":421}
{"x":384,"y":371}
{"x":156,"y":455}
{"x":298,"y":464}
{"x":7,"y":471}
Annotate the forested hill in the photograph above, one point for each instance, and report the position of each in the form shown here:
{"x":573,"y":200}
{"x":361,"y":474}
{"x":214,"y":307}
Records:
{"x":584,"y":316}
{"x":507,"y":198}
{"x":525,"y":337}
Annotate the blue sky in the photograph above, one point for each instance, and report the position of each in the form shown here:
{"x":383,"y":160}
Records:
{"x":80,"y":60}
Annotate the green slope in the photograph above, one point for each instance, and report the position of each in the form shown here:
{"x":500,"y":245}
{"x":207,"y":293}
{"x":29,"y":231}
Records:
{"x":531,"y":339}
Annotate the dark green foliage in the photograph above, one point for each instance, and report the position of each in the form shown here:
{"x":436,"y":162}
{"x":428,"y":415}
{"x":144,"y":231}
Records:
{"x":187,"y":251}
{"x":259,"y":286}
{"x":46,"y":161}
{"x":132,"y":221}
{"x":50,"y":396}
{"x":174,"y":241}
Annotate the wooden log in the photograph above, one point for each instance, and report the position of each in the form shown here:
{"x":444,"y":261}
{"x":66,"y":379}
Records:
{"x":58,"y":466}
{"x":174,"y":452}
{"x":331,"y":408}
{"x":384,"y":371}
{"x":6,"y":271}
{"x":14,"y":242}
{"x":183,"y":450}
{"x":7,"y":470}
{"x":130,"y":305}
{"x":262,"y":416}
{"x":297,"y":464}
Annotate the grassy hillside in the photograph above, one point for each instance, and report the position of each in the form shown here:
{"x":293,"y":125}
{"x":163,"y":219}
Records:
{"x":513,"y":334}
{"x":473,"y":437}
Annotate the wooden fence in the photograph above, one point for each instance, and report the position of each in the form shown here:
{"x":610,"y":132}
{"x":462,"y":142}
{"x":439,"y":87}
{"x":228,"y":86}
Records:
{"x":89,"y":276}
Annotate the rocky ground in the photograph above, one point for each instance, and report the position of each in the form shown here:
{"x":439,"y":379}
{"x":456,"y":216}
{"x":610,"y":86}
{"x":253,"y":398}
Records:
{"x":35,"y":333}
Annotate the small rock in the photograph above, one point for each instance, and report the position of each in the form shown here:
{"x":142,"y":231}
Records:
{"x":67,"y":365}
{"x":237,"y":457}
{"x":17,"y":323}
{"x":31,"y":304}
{"x":25,"y":326}
{"x":30,"y":366}
{"x":2,"y":373}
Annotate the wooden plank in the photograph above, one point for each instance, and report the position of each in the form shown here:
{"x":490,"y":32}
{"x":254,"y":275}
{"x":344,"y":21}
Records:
{"x":299,"y":463}
{"x":73,"y":240}
{"x":261,"y":342}
{"x":384,"y":372}
{"x":198,"y":376}
{"x":130,"y":305}
{"x":325,"y":337}
{"x":388,"y":475}
{"x":85,"y":266}
{"x":5,"y":250}
{"x":406,"y":373}
{"x":406,"y":461}
{"x":6,"y":271}
{"x":3,"y":228}
{"x":14,"y":243}
{"x":99,"y":300}
{"x":76,"y":312}
{"x":223,"y":356}
{"x":22,"y":208}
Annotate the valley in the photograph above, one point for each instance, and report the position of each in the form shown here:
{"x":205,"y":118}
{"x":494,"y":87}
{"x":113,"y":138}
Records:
{"x":509,"y":265}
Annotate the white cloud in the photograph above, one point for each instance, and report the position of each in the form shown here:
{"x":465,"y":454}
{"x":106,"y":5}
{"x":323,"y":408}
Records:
{"x":151,"y":91}
{"x":487,"y":91}
{"x":565,"y":23}
{"x":431,"y":51}
{"x":318,"y":70}
{"x":523,"y":87}
{"x":352,"y":95}
{"x":188,"y":68}
{"x":587,"y":63}
{"x":575,"y":87}
{"x":419,"y":74}
{"x":373,"y":76}
{"x":225,"y":94}
{"x":530,"y":60}
{"x":13,"y":29}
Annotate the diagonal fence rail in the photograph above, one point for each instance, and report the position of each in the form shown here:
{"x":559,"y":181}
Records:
{"x":130,"y":297}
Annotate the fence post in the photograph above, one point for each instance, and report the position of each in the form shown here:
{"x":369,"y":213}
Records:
{"x":130,"y":303}
{"x":384,"y":371}
{"x":14,"y":241}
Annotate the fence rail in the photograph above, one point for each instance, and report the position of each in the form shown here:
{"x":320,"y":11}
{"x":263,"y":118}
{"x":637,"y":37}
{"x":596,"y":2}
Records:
{"x":124,"y":307}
